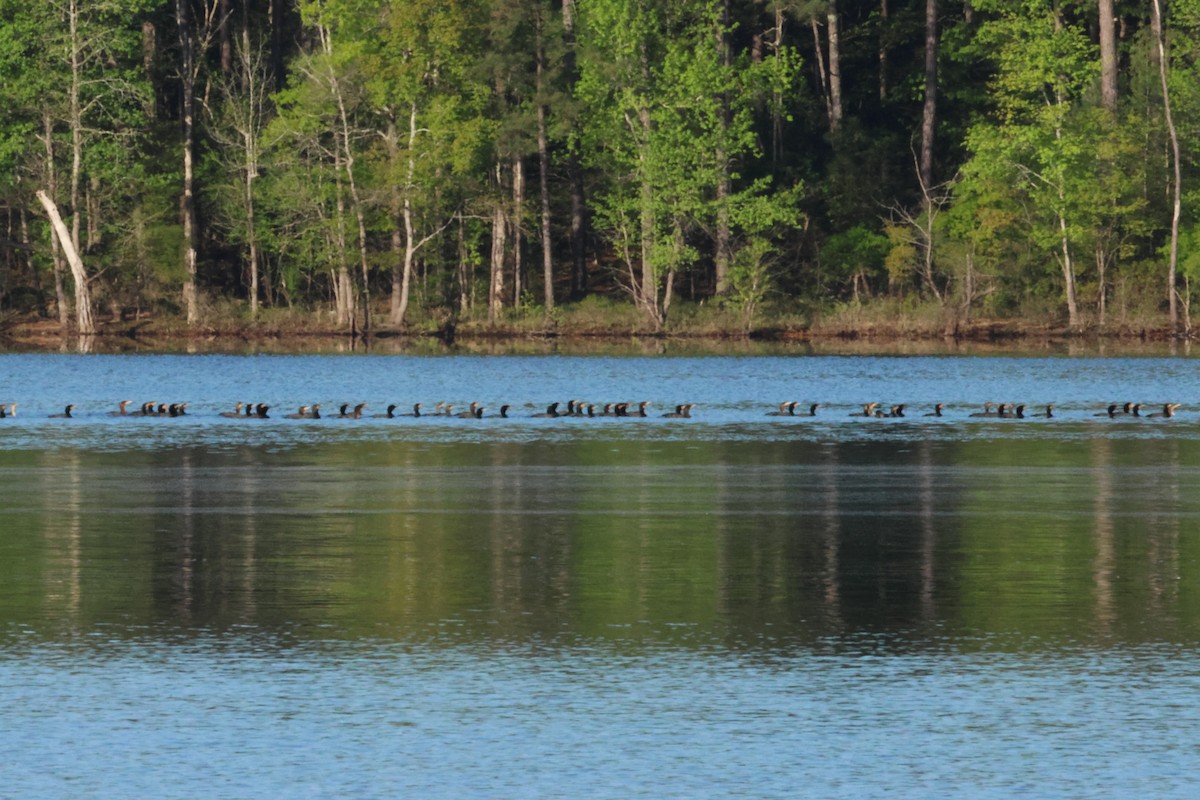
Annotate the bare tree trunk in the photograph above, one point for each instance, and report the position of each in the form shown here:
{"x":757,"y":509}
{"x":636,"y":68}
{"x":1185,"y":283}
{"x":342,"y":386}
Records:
{"x":883,"y":50}
{"x":835,"y":68}
{"x":929,"y":115}
{"x":777,"y":98}
{"x":723,"y":239}
{"x":250,"y":145}
{"x":544,"y":178}
{"x":400,"y":302}
{"x":518,"y":196}
{"x":822,"y":75}
{"x":579,"y":223}
{"x":224,"y":12}
{"x":187,"y":72}
{"x":343,"y":294}
{"x":1068,"y":274}
{"x":83,"y":298}
{"x":499,"y":229}
{"x":348,"y":156}
{"x":1108,"y":56}
{"x":60,"y":290}
{"x":76,"y":122}
{"x":1157,"y":25}
{"x":149,"y":56}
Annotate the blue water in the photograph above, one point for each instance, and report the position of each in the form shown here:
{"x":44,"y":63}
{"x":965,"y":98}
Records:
{"x":728,"y":606}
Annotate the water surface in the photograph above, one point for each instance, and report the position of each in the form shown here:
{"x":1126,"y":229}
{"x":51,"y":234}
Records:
{"x":731,"y":605}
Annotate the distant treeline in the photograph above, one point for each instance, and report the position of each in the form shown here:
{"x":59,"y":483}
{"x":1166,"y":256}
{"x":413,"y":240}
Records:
{"x":396,"y":161}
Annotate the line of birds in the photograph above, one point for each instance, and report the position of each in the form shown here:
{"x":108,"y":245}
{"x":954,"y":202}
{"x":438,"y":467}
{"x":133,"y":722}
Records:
{"x":990,"y":409}
{"x":578,"y":408}
{"x":574,"y":408}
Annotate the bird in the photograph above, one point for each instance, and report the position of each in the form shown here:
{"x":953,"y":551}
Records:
{"x":937,"y":410}
{"x":416,"y":412}
{"x":122,"y":412}
{"x":301,"y":413}
{"x":812,"y":410}
{"x":1048,"y":413}
{"x":504,"y":411}
{"x":1168,"y":411}
{"x":551,"y":411}
{"x":987,"y":410}
{"x":9,"y":410}
{"x":868,"y":410}
{"x":234,"y":414}
{"x":469,"y":413}
{"x":391,"y":412}
{"x":66,"y":414}
{"x":260,"y":410}
{"x":682,"y":411}
{"x":786,"y":409}
{"x":641,"y":409}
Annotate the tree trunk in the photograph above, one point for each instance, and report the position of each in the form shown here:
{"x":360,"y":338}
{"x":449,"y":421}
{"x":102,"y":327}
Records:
{"x":929,"y":115}
{"x":1068,"y":274}
{"x":518,"y":196}
{"x":1173,"y":260}
{"x":400,"y":301}
{"x":883,"y":50}
{"x":224,"y":12}
{"x":187,"y":202}
{"x":76,"y":123}
{"x":835,"y":68}
{"x":83,"y":298}
{"x":499,"y":229}
{"x":60,"y":290}
{"x":544,"y":175}
{"x":822,"y":75}
{"x":579,"y":224}
{"x":723,"y":239}
{"x":250,"y":145}
{"x":1108,"y":56}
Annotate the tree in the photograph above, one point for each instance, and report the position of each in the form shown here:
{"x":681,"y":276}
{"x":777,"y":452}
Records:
{"x":1038,"y":144}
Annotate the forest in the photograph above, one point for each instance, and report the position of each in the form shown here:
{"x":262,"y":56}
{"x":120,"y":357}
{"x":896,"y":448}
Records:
{"x":735,"y":166}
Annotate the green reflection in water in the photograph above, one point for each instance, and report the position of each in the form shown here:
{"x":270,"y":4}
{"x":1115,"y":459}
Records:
{"x":694,"y":543}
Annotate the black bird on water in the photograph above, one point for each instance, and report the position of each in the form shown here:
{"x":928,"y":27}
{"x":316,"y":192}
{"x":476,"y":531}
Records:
{"x":66,"y":414}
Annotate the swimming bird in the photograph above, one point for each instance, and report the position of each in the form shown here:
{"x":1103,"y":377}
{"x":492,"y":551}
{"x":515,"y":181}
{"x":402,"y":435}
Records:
{"x":122,"y":412}
{"x":1168,"y":411}
{"x":504,"y":411}
{"x":8,"y":410}
{"x":682,"y":411}
{"x":1110,"y":412}
{"x":551,"y":411}
{"x":260,"y":410}
{"x":786,"y":409}
{"x":416,"y":412}
{"x":812,"y":410}
{"x":987,"y":410}
{"x":937,"y":410}
{"x":868,"y":410}
{"x":641,"y":409}
{"x":898,"y":410}
{"x":66,"y":414}
{"x":470,"y":412}
{"x":1047,"y":414}
{"x":391,"y":412}
{"x":301,"y":413}
{"x":342,"y":410}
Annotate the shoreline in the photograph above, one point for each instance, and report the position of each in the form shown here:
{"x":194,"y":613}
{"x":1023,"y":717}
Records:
{"x":987,"y":336}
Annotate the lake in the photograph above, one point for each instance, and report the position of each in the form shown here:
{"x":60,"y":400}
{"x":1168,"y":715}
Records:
{"x":734,"y":605}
